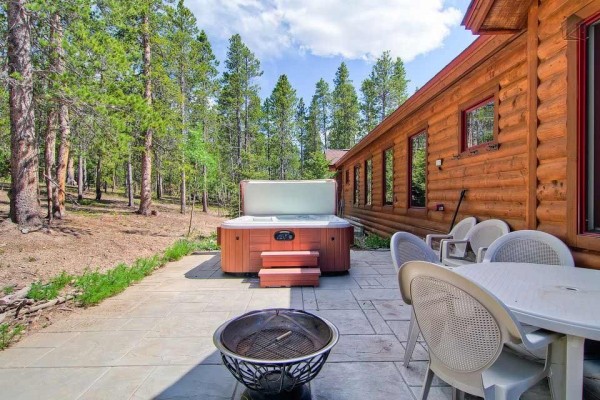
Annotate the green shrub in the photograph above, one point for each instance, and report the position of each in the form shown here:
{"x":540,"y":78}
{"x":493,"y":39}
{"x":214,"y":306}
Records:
{"x":8,"y":333}
{"x":50,"y":290}
{"x":96,"y":286}
{"x":373,"y":241}
{"x":8,"y":290}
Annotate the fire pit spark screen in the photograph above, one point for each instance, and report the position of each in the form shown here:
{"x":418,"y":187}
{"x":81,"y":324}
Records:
{"x":275,"y":352}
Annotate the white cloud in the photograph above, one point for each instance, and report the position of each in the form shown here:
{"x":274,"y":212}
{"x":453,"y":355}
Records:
{"x":353,"y":29}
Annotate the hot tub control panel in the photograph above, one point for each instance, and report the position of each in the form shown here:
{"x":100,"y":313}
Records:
{"x":284,"y":235}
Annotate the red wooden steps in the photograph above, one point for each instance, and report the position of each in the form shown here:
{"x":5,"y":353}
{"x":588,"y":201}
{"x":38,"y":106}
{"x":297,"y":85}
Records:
{"x":302,"y":258}
{"x":288,"y":277}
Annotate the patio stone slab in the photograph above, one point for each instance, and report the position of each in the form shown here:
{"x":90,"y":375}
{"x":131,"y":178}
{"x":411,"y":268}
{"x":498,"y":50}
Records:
{"x":338,"y":282}
{"x":91,"y":349}
{"x":367,"y":348}
{"x":400,"y":329}
{"x":177,"y":382}
{"x":47,"y":383}
{"x":309,"y":300}
{"x":199,"y":324}
{"x":378,"y":323}
{"x":348,"y":321}
{"x":49,"y":340}
{"x":140,"y":324}
{"x":359,"y":381}
{"x":336,"y":300}
{"x":376,"y":294}
{"x":21,"y":356}
{"x":415,"y":373}
{"x":393,"y":309}
{"x":118,"y":383}
{"x":172,"y":351}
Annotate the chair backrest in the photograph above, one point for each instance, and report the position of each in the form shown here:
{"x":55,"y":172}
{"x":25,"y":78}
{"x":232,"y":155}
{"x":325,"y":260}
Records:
{"x":529,"y":247}
{"x":459,"y":231}
{"x":465,"y":326}
{"x":485,"y":233}
{"x":408,"y":247}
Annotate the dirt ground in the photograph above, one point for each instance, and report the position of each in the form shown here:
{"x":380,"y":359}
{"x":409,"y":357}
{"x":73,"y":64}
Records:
{"x":95,"y":235}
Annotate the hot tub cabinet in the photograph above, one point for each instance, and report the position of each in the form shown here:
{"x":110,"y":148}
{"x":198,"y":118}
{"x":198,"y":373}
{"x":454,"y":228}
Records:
{"x":241,"y":248}
{"x":287,"y":224}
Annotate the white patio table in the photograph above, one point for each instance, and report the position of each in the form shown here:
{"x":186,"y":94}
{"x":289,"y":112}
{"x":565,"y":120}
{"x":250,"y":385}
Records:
{"x":559,"y":299}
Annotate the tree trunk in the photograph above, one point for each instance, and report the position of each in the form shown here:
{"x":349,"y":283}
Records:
{"x":24,"y":149}
{"x":85,"y":175}
{"x":49,"y":157}
{"x":129,"y":180}
{"x":146,"y":184}
{"x":65,"y":130}
{"x":99,"y":179}
{"x":159,"y":178}
{"x":71,"y":171}
{"x":204,"y":189}
{"x":159,"y":185}
{"x":182,"y":191}
{"x":80,"y":178}
{"x":114,"y":180}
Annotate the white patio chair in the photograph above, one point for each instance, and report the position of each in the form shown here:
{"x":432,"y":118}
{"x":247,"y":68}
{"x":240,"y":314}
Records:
{"x":465,"y":328}
{"x":532,"y":247}
{"x":479,"y":238}
{"x":459,"y":231}
{"x":408,"y":247}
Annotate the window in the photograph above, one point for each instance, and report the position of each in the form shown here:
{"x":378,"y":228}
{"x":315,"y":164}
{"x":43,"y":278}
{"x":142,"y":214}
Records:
{"x":478,"y":124}
{"x":356,"y":185}
{"x":368,"y":181}
{"x":388,"y":176}
{"x":347,"y":176}
{"x":590,"y":182}
{"x":418,"y":169}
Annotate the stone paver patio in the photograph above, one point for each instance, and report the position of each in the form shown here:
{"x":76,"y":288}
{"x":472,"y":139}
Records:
{"x":155,"y":339}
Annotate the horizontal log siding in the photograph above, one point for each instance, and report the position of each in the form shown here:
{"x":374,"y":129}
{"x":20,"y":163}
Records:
{"x":496,"y":180}
{"x":499,"y":183}
{"x":552,"y":155}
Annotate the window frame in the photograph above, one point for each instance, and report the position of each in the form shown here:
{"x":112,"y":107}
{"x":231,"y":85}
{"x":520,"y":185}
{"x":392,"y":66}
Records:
{"x":410,"y":169}
{"x":490,"y":95}
{"x":384,"y":201}
{"x":347,"y":176}
{"x":356,"y":187}
{"x":583,"y":116}
{"x":368,"y":183}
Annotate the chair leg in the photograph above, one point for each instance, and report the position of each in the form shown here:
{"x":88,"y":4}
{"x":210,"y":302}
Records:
{"x":427,"y":383}
{"x":457,"y":394}
{"x":413,"y":335}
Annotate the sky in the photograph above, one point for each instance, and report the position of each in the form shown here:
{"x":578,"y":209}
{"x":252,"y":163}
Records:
{"x":308,"y":39}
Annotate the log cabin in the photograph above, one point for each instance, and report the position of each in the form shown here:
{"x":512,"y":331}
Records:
{"x":513,"y":119}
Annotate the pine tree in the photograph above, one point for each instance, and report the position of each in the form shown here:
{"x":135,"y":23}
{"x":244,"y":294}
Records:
{"x":323,"y":100}
{"x":239,"y":106}
{"x":301,"y":126}
{"x":368,"y":110}
{"x":24,"y":149}
{"x":345,"y":119}
{"x":390,"y":84}
{"x":284,"y":152}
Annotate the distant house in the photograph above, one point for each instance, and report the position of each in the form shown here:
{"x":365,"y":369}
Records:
{"x":513,"y":119}
{"x":333,"y":155}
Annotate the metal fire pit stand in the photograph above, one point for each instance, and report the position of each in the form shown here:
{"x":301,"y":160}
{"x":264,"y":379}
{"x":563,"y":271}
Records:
{"x":275,"y":352}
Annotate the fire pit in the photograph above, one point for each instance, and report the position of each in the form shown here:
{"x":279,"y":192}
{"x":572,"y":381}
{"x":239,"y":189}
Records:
{"x":275,"y":352}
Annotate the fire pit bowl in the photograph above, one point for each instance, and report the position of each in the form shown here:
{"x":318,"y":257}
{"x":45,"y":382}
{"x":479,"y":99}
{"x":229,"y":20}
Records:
{"x":275,"y":352}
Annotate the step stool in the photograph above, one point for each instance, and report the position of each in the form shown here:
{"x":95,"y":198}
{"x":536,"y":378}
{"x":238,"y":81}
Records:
{"x":288,"y":277}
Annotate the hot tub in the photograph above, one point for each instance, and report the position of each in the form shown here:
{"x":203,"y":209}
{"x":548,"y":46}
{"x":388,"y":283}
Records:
{"x":286,"y":216}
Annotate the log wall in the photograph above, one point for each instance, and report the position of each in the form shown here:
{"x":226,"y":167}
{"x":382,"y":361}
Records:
{"x":530,"y":180}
